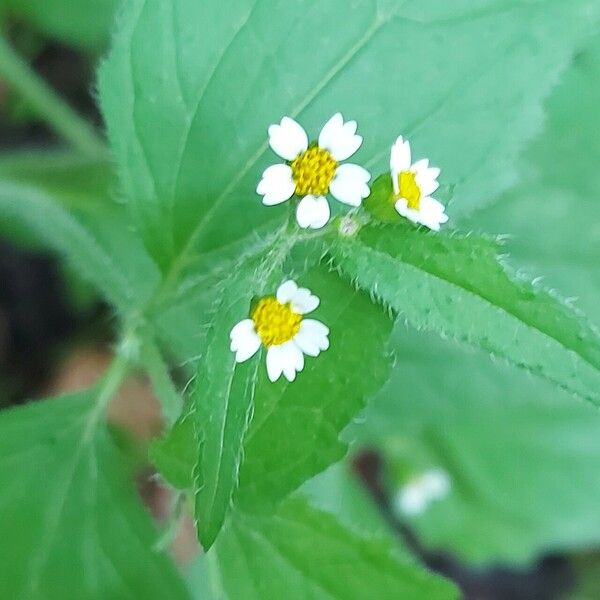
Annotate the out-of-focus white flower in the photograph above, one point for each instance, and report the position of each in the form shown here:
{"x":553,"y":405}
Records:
{"x":416,"y":495}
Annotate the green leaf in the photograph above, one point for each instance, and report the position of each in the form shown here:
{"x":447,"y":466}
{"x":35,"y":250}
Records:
{"x":380,"y":202}
{"x":175,"y":454}
{"x":59,"y":211}
{"x":522,"y":457}
{"x":74,"y":180}
{"x":552,"y":214}
{"x":223,"y":401}
{"x":294,"y":431}
{"x":189,"y":90}
{"x":301,"y":553}
{"x":63,"y":175}
{"x":85,"y":23}
{"x":184,"y":327}
{"x":339,"y":492}
{"x":72,"y":524}
{"x":456,"y":286}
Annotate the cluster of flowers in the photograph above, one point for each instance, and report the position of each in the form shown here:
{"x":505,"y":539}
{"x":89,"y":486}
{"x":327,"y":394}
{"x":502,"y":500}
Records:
{"x":310,"y":172}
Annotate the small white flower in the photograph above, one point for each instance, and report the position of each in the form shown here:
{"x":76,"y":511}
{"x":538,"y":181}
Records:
{"x":413,"y":185}
{"x":314,"y":170}
{"x":277,"y":323}
{"x":416,"y":495}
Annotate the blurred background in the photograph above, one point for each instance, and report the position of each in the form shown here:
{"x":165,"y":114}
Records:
{"x":491,"y":476}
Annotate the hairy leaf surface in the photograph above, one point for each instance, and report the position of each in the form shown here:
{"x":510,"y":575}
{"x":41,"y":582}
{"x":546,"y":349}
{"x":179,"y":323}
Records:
{"x":294,"y":429}
{"x":455,"y":285}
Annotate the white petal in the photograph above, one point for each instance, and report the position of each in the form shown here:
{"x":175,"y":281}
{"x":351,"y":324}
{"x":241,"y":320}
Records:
{"x":431,"y":205}
{"x":241,"y":328}
{"x":307,"y":343}
{"x":331,"y":132}
{"x":349,"y":184}
{"x":437,"y":483}
{"x":411,"y":500}
{"x":274,"y":362}
{"x":286,"y":291}
{"x":433,"y":172}
{"x":421,"y":165}
{"x":433,"y":222}
{"x":287,"y":359}
{"x":304,"y":301}
{"x":301,"y":299}
{"x":292,"y":360}
{"x":244,"y":340}
{"x":312,"y":326}
{"x":431,"y":212}
{"x":249,"y":347}
{"x":313,"y":212}
{"x":317,"y":332}
{"x":288,"y":139}
{"x":277,"y":184}
{"x":403,"y":210}
{"x":426,"y":176}
{"x":312,"y":337}
{"x":427,"y":184}
{"x":400,"y":158}
{"x":340,"y":138}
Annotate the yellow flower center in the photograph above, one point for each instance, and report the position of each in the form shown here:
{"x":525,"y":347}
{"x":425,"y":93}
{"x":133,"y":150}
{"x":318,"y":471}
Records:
{"x":313,"y":171}
{"x":409,"y":189}
{"x":275,"y":323}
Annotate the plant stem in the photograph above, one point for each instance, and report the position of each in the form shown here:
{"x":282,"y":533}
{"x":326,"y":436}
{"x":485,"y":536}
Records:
{"x":48,"y":105}
{"x":108,"y":387}
{"x":167,"y":536}
{"x":112,"y":380}
{"x":170,"y":400}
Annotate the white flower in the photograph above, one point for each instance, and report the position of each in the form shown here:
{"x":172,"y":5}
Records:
{"x":277,"y":323}
{"x":413,"y":186}
{"x":414,"y":497}
{"x":314,"y":170}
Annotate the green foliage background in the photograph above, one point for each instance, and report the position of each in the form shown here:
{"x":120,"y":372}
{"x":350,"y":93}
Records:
{"x":170,"y":232}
